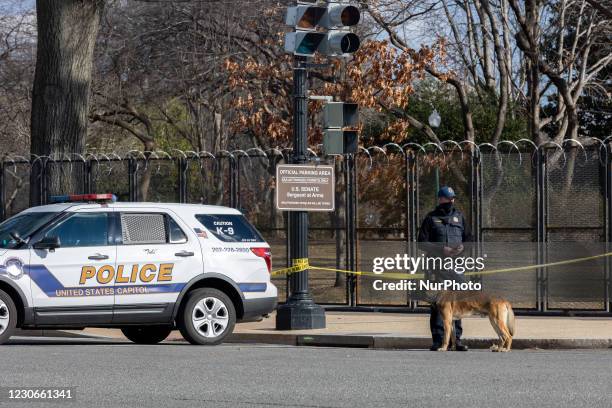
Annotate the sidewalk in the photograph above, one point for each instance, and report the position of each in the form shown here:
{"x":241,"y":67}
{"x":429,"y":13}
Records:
{"x":411,"y":331}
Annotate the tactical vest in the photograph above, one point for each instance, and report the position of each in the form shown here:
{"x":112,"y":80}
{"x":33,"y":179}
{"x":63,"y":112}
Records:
{"x":448,"y":229}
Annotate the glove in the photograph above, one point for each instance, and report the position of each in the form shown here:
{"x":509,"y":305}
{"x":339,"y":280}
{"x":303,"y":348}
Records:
{"x":448,"y":251}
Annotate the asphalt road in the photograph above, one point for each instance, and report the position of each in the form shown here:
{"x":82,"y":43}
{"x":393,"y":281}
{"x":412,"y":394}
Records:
{"x":175,"y":375}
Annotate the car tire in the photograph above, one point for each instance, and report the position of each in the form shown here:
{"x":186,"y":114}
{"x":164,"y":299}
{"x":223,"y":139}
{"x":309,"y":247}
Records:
{"x":8,"y":317}
{"x":208,"y":317}
{"x":146,"y":334}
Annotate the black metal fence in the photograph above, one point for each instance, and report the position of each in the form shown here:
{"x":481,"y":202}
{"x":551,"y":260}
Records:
{"x":544,"y":203}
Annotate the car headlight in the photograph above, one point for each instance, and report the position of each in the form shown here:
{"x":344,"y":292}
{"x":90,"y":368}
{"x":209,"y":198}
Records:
{"x":14,"y":268}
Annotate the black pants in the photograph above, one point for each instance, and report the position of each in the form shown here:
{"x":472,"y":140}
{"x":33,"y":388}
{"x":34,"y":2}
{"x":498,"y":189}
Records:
{"x":437,"y":326}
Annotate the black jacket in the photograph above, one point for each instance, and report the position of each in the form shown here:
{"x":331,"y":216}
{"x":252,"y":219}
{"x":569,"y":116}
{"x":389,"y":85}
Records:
{"x":443,"y":228}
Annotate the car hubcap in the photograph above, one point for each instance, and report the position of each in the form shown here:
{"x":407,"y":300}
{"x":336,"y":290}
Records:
{"x":4,"y":317}
{"x":210,"y":317}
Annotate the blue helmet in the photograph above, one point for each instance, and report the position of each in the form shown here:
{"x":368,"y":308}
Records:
{"x":446,"y":192}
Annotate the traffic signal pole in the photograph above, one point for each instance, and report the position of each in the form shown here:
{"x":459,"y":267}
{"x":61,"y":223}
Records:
{"x":318,"y":28}
{"x":300,"y":311}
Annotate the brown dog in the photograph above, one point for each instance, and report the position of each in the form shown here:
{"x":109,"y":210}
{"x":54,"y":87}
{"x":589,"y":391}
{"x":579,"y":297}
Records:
{"x":455,"y":305}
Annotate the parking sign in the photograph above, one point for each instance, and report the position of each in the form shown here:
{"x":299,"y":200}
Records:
{"x":305,"y":187}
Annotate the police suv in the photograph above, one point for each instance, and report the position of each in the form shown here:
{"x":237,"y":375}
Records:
{"x":146,"y":268}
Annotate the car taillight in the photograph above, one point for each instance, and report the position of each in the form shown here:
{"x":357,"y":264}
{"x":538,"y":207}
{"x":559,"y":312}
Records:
{"x":264,"y":253}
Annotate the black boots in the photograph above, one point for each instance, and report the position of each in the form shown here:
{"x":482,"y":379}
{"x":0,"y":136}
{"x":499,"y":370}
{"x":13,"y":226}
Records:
{"x":458,"y":346}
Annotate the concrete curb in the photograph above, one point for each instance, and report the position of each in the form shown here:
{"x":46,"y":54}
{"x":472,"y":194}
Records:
{"x":356,"y":341}
{"x":395,"y":343}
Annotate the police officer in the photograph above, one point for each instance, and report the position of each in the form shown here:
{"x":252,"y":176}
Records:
{"x":443,"y":233}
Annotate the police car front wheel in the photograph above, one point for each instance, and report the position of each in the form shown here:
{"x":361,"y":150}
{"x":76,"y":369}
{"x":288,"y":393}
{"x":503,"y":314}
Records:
{"x":208,"y":317}
{"x":8,"y":317}
{"x":146,"y":334}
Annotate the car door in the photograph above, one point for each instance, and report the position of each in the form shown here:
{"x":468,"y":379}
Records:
{"x":157,"y":256}
{"x":73,"y":284}
{"x":15,"y":257}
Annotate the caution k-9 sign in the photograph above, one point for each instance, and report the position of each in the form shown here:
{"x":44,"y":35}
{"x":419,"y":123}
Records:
{"x":305,"y":188}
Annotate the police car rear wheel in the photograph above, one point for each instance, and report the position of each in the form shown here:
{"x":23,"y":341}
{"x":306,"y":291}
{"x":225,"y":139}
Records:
{"x":8,"y":317}
{"x":146,"y":334}
{"x":208,"y":317}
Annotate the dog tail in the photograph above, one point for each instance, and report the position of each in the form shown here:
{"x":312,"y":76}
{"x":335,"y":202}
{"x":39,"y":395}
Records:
{"x":510,"y":321}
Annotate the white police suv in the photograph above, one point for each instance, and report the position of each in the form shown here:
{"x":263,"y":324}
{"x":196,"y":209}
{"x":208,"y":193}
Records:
{"x":146,"y":268}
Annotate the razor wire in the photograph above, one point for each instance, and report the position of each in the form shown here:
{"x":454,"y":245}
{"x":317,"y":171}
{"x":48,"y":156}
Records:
{"x":315,"y":153}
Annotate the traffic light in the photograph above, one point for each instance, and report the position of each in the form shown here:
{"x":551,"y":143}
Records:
{"x":341,"y":15}
{"x":340,"y":115}
{"x":338,"y":141}
{"x":340,"y":120}
{"x":303,"y":43}
{"x":306,"y":40}
{"x":305,"y":17}
{"x":340,"y":43}
{"x":322,"y":28}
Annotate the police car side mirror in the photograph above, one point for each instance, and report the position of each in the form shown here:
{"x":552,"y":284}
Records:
{"x":49,"y":243}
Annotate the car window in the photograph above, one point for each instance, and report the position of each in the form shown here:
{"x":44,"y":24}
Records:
{"x":177,"y":236}
{"x":82,"y":230}
{"x":229,"y":227}
{"x":24,"y":225}
{"x":143,"y":228}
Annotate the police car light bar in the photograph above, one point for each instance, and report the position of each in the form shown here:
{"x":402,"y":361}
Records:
{"x":84,"y":198}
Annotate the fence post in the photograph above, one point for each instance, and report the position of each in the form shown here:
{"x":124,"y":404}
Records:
{"x":233,"y":168}
{"x":541,"y":218}
{"x":182,"y":179}
{"x":2,"y":192}
{"x":411,"y":198}
{"x":288,"y":249}
{"x":87,"y":176}
{"x":475,"y":195}
{"x":411,"y":211}
{"x":237,"y":184}
{"x":475,"y":204}
{"x":44,"y":191}
{"x":33,"y":175}
{"x":480,"y":200}
{"x":608,"y":225}
{"x":132,"y":179}
{"x":355,"y":239}
{"x":351,"y":227}
{"x":347,"y":222}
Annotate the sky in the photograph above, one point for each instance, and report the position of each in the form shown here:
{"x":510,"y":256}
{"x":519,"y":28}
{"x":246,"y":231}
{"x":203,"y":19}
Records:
{"x":16,"y":6}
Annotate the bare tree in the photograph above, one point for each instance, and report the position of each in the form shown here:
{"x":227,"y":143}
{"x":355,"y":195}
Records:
{"x":67,"y":32}
{"x":161,"y":72}
{"x":560,"y":59}
{"x":512,"y":53}
{"x":392,"y":17}
{"x":17,"y":58}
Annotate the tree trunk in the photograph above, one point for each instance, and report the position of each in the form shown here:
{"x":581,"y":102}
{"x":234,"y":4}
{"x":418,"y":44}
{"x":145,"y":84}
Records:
{"x":67,"y":32}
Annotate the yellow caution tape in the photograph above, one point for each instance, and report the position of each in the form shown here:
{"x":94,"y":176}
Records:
{"x":299,"y":265}
{"x":302,"y":264}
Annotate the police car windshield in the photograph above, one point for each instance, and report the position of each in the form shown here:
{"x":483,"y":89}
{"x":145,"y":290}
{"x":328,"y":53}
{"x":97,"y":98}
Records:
{"x":24,"y":225}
